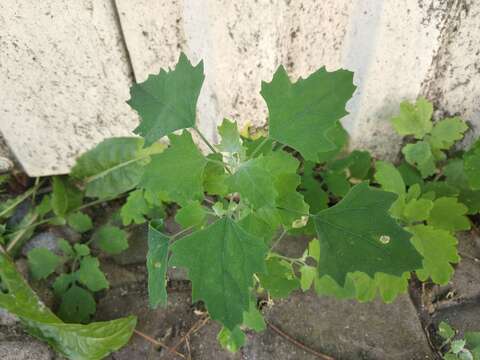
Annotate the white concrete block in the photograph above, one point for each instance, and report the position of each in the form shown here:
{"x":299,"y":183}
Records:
{"x":389,"y":45}
{"x":454,"y":82}
{"x":65,"y":72}
{"x":64,"y":79}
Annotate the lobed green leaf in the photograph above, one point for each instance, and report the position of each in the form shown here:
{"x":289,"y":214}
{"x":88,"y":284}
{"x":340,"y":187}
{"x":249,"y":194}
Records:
{"x":167,"y":102}
{"x":221,"y":260}
{"x":178,"y":171}
{"x":304,"y":115}
{"x":414,"y":119}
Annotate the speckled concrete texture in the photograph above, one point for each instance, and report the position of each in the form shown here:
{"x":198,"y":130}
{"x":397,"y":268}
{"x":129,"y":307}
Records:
{"x":66,"y":66}
{"x":65,"y":78}
{"x":389,"y":46}
{"x":454,"y":83}
{"x":15,"y":344}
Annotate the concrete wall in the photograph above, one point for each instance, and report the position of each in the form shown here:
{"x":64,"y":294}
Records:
{"x":64,"y":78}
{"x":66,"y":66}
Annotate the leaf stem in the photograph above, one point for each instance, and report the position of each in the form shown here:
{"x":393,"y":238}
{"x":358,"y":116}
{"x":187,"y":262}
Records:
{"x":259,"y":146}
{"x":298,"y":261}
{"x":174,"y":236}
{"x":438,"y":176}
{"x":33,"y":224}
{"x":35,"y":188}
{"x":74,"y":263}
{"x":20,"y":199}
{"x":289,"y":259}
{"x":282,"y":235}
{"x":12,"y":244}
{"x":99,"y":201}
{"x":204,"y":139}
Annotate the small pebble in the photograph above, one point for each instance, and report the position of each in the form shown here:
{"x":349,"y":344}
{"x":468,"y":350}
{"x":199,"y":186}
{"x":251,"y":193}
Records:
{"x":6,"y":165}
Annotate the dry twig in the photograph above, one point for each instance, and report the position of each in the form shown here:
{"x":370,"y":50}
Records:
{"x":298,"y":343}
{"x":197,"y":326}
{"x":158,"y":343}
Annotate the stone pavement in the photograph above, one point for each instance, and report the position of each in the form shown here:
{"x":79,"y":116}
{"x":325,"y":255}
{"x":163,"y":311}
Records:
{"x":345,"y":330}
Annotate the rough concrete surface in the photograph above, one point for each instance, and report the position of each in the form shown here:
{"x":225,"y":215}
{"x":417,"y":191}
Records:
{"x":65,"y":66}
{"x":65,"y":79}
{"x":6,"y":157}
{"x":166,"y":325}
{"x":458,"y":302}
{"x":464,"y":284}
{"x":454,"y":83}
{"x":15,"y":344}
{"x":25,"y":349}
{"x":389,"y":46}
{"x":463,"y":317}
{"x":343,"y":329}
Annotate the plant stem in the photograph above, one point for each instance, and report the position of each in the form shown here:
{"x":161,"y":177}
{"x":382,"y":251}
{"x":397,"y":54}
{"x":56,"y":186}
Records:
{"x":209,"y":201}
{"x":33,"y":224}
{"x":74,"y":263}
{"x":174,"y":236}
{"x":99,"y":201}
{"x":438,"y":176}
{"x":12,"y":244}
{"x":279,"y":146}
{"x":282,"y":235}
{"x":207,"y":211}
{"x":259,"y":146}
{"x":289,"y":259}
{"x":205,"y":140}
{"x":35,"y":188}
{"x":20,"y":199}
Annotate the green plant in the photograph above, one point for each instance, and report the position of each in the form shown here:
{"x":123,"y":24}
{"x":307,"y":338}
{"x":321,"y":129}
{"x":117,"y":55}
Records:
{"x":79,"y":274}
{"x":76,"y":341}
{"x":372,"y":223}
{"x":467,"y":348}
{"x":297,"y":179}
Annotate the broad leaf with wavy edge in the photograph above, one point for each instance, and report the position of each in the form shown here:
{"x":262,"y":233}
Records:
{"x":358,"y":234}
{"x":114,"y":166}
{"x":439,"y":250}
